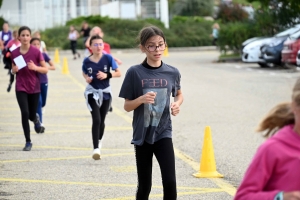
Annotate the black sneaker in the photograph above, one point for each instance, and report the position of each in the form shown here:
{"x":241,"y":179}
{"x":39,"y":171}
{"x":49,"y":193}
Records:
{"x":38,"y":126}
{"x":110,"y":109}
{"x":9,"y":88}
{"x":28,"y":146}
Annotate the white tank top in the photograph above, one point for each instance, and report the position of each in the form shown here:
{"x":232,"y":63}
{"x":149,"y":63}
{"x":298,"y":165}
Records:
{"x":73,"y":35}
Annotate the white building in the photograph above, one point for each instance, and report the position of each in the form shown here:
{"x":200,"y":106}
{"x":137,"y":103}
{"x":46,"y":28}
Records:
{"x":41,"y":14}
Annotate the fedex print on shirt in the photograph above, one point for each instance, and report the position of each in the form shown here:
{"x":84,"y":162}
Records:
{"x":151,"y":122}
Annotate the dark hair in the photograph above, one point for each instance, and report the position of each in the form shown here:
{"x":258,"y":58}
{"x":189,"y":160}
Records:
{"x":95,"y":37}
{"x":34,"y":39}
{"x":148,"y":32}
{"x":23,"y":28}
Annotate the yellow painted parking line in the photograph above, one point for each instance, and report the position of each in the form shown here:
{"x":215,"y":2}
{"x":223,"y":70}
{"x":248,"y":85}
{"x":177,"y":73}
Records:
{"x":228,"y":188}
{"x":64,"y":158}
{"x":57,"y":125}
{"x":201,"y":190}
{"x":53,"y":111}
{"x":210,"y":190}
{"x":65,"y":148}
{"x":66,"y":131}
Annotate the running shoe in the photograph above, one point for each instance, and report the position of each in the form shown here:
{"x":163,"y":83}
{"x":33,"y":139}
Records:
{"x":96,"y":154}
{"x":9,"y":87}
{"x":38,"y":126}
{"x":28,"y":146}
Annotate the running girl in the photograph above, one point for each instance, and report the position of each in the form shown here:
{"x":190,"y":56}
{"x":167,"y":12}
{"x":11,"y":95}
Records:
{"x":106,"y":49}
{"x":43,"y":79}
{"x":11,"y":45}
{"x":26,"y":60}
{"x":73,"y":36}
{"x":96,"y":72}
{"x":274,"y":171}
{"x":146,"y":89}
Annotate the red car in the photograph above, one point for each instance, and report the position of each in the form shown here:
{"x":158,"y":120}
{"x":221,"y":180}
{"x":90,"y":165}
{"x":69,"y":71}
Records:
{"x":290,"y":49}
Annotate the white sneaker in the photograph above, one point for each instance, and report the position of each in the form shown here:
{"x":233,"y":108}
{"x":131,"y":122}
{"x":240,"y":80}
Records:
{"x":96,"y":154}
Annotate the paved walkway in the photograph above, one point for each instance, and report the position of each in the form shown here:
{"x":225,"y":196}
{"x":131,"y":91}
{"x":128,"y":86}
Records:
{"x":60,"y":165}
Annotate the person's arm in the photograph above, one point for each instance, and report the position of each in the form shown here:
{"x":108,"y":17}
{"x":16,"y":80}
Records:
{"x":51,"y":65}
{"x":130,"y":105}
{"x":77,"y":35}
{"x":87,"y":78}
{"x":14,"y":68}
{"x":257,"y":176}
{"x":116,"y":73}
{"x":118,"y":61}
{"x":87,"y":42}
{"x":103,"y":75}
{"x":175,"y":106}
{"x":43,"y":69}
{"x":1,"y":45}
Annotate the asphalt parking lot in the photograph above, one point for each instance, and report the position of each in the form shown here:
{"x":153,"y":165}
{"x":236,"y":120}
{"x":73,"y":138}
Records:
{"x":231,"y":98}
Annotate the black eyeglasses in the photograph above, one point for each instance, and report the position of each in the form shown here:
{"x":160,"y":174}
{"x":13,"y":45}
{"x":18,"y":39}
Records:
{"x":152,"y":48}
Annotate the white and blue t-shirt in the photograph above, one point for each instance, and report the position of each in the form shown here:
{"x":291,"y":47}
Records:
{"x":91,"y":69}
{"x":151,"y":122}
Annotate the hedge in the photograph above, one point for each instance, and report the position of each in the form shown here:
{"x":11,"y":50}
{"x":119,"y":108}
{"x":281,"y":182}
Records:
{"x":122,"y":33}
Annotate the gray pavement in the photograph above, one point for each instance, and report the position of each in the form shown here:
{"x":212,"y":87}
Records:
{"x":231,"y":98}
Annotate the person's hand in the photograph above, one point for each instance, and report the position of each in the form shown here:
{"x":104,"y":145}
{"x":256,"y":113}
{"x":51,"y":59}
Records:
{"x":14,"y":69}
{"x":294,"y":195}
{"x":101,"y":75}
{"x":175,"y":108}
{"x":31,"y":65}
{"x":119,"y":62}
{"x":149,"y":97}
{"x":88,"y":79}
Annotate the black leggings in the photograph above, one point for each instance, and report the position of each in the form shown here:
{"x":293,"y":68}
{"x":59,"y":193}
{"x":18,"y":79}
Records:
{"x":73,"y":44}
{"x":164,"y":153}
{"x":28,"y":105}
{"x":98,"y":116}
{"x":8,"y":65}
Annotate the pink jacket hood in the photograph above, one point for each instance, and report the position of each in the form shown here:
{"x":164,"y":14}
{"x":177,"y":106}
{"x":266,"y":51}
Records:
{"x":288,"y":136}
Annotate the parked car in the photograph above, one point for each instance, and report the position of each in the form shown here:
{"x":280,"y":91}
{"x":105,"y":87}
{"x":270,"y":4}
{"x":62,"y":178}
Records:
{"x":271,"y":53}
{"x":252,"y":51}
{"x":290,"y":49}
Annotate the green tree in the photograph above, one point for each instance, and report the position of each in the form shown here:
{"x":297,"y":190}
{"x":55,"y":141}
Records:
{"x":191,"y":7}
{"x":285,"y":13}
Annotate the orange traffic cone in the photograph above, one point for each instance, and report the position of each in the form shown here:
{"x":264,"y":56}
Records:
{"x":208,"y":163}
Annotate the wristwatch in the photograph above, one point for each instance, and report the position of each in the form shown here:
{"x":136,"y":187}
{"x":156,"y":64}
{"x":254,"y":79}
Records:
{"x":279,"y":196}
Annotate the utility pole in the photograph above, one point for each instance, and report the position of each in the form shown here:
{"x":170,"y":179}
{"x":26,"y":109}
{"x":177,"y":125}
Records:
{"x":20,"y":12}
{"x":138,"y":8}
{"x":164,"y":12}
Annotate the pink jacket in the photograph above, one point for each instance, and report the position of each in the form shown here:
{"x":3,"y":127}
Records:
{"x":274,"y":168}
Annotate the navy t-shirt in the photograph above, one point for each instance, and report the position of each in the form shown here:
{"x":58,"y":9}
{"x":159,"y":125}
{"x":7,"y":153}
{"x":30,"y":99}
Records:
{"x":151,"y":122}
{"x":43,"y":77}
{"x":91,"y":69}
